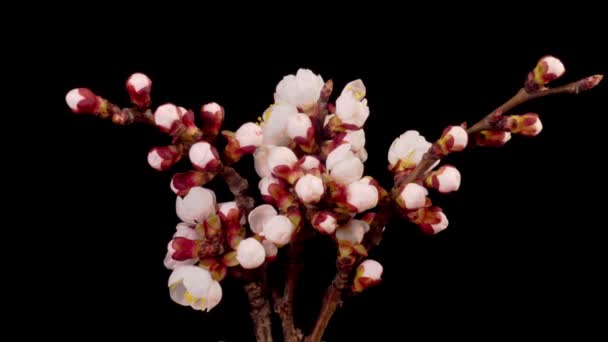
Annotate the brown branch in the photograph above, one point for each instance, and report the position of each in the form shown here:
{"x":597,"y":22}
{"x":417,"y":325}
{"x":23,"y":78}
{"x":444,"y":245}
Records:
{"x":259,"y":312}
{"x":238,"y":186}
{"x":331,"y":301}
{"x":334,"y":293}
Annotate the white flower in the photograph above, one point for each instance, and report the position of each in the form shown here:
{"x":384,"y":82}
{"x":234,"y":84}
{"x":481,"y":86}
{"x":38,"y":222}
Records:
{"x":413,"y":196}
{"x":260,"y":161}
{"x":351,"y":107}
{"x":297,"y":127}
{"x":196,"y":206}
{"x":443,"y":224}
{"x":183,"y":230}
{"x":370,"y":269}
{"x":279,"y":230}
{"x":166,"y":116}
{"x":353,"y":231}
{"x":260,"y":215}
{"x":310,"y":163}
{"x":193,"y":286}
{"x":410,"y":146}
{"x":274,"y":125}
{"x":356,"y":139}
{"x":202,"y":156}
{"x":347,"y":171}
{"x":249,"y":134}
{"x":362,"y":195}
{"x":250,"y":253}
{"x":280,"y":155}
{"x":310,"y":189}
{"x":300,"y":90}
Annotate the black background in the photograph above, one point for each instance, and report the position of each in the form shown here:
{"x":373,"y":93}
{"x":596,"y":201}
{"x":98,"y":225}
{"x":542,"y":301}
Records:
{"x":524,"y":252}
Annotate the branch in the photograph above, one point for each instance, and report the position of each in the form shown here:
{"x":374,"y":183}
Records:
{"x":238,"y":186}
{"x":335,"y":291}
{"x":259,"y":312}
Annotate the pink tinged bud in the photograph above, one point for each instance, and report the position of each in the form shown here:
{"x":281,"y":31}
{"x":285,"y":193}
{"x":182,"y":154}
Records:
{"x":230,"y":212}
{"x":337,"y":155}
{"x":250,"y":253}
{"x":265,"y":183}
{"x":492,"y":138}
{"x":407,"y":150}
{"x":168,"y":118}
{"x":271,"y":250}
{"x":362,"y":195}
{"x":310,"y":163}
{"x":278,"y":230}
{"x":368,"y":274}
{"x":548,"y":69}
{"x":347,"y":171}
{"x":249,"y":135}
{"x":183,"y":249}
{"x":356,"y":139}
{"x":441,"y":225}
{"x":445,"y":180}
{"x":139,"y":87}
{"x":82,"y":101}
{"x":281,"y":156}
{"x":453,"y":139}
{"x":298,"y":126}
{"x":212,"y":116}
{"x":325,"y":222}
{"x":259,"y":216}
{"x":182,"y":182}
{"x":204,"y":157}
{"x":589,"y":82}
{"x":413,"y":196}
{"x":192,"y":286}
{"x":188,"y":233}
{"x":527,"y":124}
{"x":196,"y":206}
{"x":353,"y":231}
{"x":310,"y":189}
{"x":162,"y":158}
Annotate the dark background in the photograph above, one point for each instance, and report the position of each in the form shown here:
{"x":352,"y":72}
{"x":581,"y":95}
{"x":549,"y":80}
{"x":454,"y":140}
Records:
{"x":524,"y":252}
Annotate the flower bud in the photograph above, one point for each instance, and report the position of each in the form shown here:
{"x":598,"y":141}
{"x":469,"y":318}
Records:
{"x":183,"y":248}
{"x":528,"y":124}
{"x":168,"y":118}
{"x":368,"y":274}
{"x":250,"y":253}
{"x":279,"y":230}
{"x":353,"y":231}
{"x":309,"y":162}
{"x":299,"y":128}
{"x":310,"y":189}
{"x":196,"y":206}
{"x":347,"y":171}
{"x":139,"y":87}
{"x":325,"y":222}
{"x":361,"y":195}
{"x":589,"y":82}
{"x":271,"y":250}
{"x":300,"y":90}
{"x":264,"y":187}
{"x":548,"y":69}
{"x":489,"y":138}
{"x":212,"y":116}
{"x":431,"y":220}
{"x":259,"y":216}
{"x":204,"y":157}
{"x":444,"y":180}
{"x":82,"y":101}
{"x":162,"y":158}
{"x":412,"y":196}
{"x":182,"y":182}
{"x":249,"y":136}
{"x":229,"y":212}
{"x":351,"y":107}
{"x":453,"y":139}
